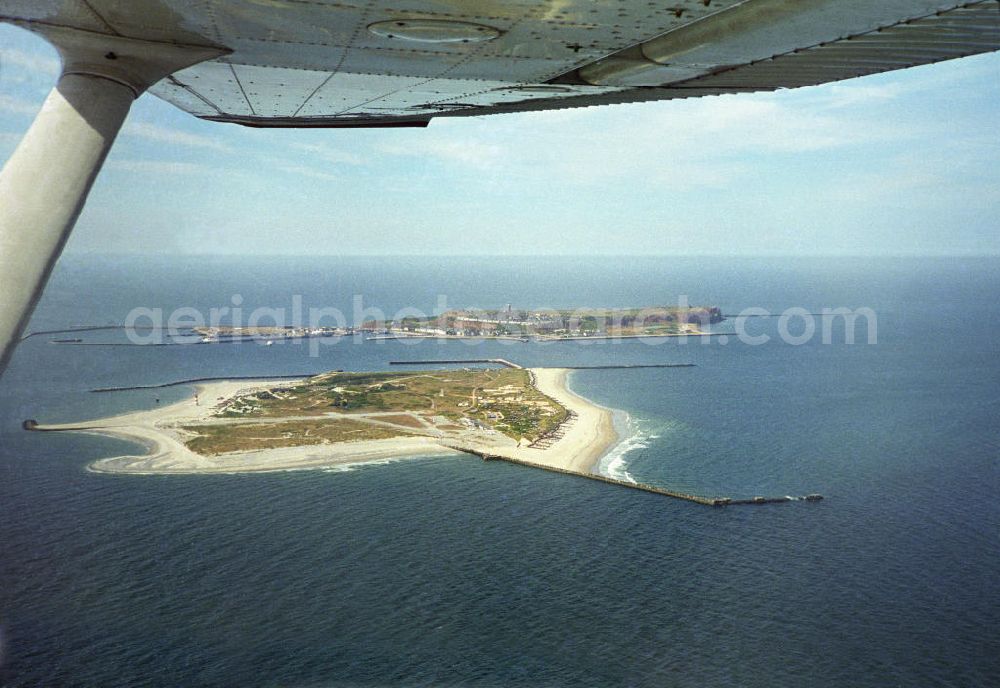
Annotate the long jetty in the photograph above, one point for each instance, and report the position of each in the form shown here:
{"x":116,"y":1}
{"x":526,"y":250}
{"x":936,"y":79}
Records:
{"x":629,"y":366}
{"x":643,"y":487}
{"x":80,"y":328}
{"x":194,"y":380}
{"x":511,"y":364}
{"x":765,"y":315}
{"x":461,"y":361}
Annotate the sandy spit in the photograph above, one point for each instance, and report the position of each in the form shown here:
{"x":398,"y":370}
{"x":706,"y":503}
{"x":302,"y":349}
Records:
{"x":585,"y":439}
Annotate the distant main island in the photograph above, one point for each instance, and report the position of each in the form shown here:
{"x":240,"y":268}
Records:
{"x":503,"y":323}
{"x":563,"y":324}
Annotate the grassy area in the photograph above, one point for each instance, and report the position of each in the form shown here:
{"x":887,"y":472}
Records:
{"x":404,"y":419}
{"x":219,"y":439}
{"x":502,"y":399}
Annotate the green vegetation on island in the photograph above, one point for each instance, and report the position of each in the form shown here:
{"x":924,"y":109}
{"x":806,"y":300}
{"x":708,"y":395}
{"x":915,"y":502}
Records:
{"x":558,"y":324}
{"x":342,"y":407}
{"x":219,"y":439}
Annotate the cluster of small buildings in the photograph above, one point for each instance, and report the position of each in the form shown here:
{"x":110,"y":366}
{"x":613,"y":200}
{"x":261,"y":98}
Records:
{"x":250,"y":403}
{"x":224,"y":333}
{"x":581,"y":323}
{"x":511,"y":394}
{"x":239,"y":406}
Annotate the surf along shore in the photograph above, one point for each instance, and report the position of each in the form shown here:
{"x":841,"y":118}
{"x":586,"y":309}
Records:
{"x":576,"y":446}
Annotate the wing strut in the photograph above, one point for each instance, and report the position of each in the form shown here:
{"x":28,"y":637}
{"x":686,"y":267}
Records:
{"x":45,"y":183}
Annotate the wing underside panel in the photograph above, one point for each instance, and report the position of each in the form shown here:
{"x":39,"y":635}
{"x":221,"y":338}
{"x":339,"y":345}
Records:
{"x":323,"y":63}
{"x":958,"y":33}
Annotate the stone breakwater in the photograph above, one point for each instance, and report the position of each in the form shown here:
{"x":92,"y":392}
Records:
{"x":645,"y":487}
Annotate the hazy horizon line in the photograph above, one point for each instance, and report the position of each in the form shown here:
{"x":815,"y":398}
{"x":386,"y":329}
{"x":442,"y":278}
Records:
{"x":164,"y":254}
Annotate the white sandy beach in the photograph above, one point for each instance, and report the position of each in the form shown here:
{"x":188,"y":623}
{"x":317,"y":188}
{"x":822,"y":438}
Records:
{"x":585,"y":438}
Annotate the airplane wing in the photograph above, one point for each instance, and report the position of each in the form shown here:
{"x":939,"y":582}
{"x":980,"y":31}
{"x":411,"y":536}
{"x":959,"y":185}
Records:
{"x":402,"y":62}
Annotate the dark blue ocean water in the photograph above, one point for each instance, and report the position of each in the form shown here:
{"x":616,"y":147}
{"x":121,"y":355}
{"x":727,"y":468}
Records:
{"x":449,"y":571}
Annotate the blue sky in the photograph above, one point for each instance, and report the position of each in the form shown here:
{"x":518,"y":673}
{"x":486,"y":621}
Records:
{"x":903,"y":163}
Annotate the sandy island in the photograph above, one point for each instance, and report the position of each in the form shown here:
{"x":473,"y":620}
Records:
{"x":585,"y":437}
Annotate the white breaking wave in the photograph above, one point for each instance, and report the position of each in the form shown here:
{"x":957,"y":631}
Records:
{"x":348,"y":467}
{"x":614,"y":464}
{"x":356,"y":465}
